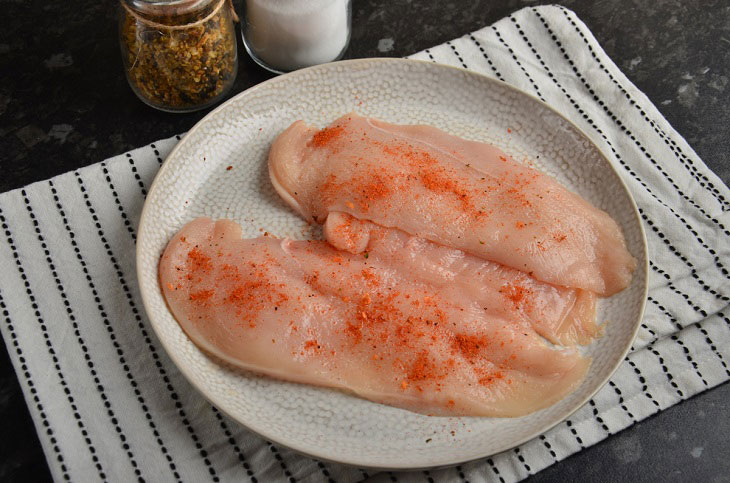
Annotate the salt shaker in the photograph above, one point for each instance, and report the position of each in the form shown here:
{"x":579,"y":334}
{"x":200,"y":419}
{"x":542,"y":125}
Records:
{"x":285,"y":35}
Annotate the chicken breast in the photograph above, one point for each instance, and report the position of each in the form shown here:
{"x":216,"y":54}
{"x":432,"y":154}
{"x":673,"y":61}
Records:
{"x":306,"y":312}
{"x":460,"y":194}
{"x":562,"y":315}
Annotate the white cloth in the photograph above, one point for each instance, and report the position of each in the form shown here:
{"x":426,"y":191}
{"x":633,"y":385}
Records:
{"x":109,"y":404}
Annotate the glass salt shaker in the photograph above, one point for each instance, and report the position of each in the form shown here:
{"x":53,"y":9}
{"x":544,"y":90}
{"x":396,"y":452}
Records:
{"x":179,"y":55}
{"x":285,"y":35}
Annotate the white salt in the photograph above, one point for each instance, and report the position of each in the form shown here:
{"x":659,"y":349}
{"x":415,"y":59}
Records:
{"x":291,"y":34}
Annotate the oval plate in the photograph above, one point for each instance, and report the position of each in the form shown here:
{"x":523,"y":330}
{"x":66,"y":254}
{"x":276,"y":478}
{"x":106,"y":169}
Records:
{"x":196,"y":181}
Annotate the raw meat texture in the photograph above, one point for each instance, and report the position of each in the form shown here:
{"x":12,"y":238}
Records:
{"x":457,"y":193}
{"x":562,"y":315}
{"x":306,"y":312}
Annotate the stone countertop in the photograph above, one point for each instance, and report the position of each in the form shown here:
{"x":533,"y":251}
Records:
{"x":65,"y":103}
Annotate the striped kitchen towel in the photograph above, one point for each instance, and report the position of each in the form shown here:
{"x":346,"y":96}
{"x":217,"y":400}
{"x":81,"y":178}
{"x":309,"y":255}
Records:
{"x":109,"y":405}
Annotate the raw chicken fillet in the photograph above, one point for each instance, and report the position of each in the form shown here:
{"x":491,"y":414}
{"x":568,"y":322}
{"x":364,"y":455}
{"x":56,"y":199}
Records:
{"x":457,"y":193}
{"x":304,"y":311}
{"x":564,"y":316}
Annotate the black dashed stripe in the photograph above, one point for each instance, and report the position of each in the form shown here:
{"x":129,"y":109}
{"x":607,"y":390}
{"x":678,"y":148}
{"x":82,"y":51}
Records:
{"x":654,"y":337}
{"x":457,"y":54}
{"x":621,"y":401}
{"x":125,"y":219}
{"x":430,"y":55}
{"x":569,"y":423}
{"x":674,"y":289}
{"x":522,"y":460}
{"x":136,"y":175}
{"x":120,"y":208}
{"x":710,"y":343}
{"x":495,"y":469}
{"x":486,"y":57}
{"x":620,"y":124}
{"x":679,"y":341}
{"x":678,"y":254}
{"x":157,"y":152}
{"x":325,"y":472}
{"x":280,"y":459}
{"x":670,"y":376}
{"x":593,"y":124}
{"x":113,"y":338}
{"x":33,"y":391}
{"x":232,"y":442}
{"x":82,"y":344}
{"x":52,"y":352}
{"x":652,"y":348}
{"x":143,"y":330}
{"x":642,"y":380}
{"x":517,"y":61}
{"x":597,"y":417}
{"x":702,"y":179}
{"x":462,"y":476}
{"x":549,"y":447}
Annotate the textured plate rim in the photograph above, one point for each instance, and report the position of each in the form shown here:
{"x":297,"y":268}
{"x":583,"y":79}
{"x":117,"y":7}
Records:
{"x":312,"y":451}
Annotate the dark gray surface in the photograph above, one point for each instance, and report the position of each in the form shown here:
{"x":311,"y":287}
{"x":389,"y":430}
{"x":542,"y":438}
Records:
{"x":64,"y":103}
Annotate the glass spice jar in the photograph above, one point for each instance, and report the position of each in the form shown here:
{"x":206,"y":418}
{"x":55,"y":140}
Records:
{"x":179,"y":55}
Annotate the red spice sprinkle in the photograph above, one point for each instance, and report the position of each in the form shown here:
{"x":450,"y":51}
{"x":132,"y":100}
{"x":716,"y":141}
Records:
{"x":311,"y":344}
{"x":470,"y":346}
{"x":487,"y":380}
{"x":516,"y":293}
{"x":201,"y":296}
{"x":371,"y":278}
{"x":326,"y":136}
{"x":229,"y":168}
{"x":375,"y":190}
{"x":355,"y":333}
{"x":200,"y":261}
{"x":519,"y":225}
{"x":423,"y":369}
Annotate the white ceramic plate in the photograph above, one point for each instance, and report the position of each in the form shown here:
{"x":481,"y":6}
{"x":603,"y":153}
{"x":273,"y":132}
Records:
{"x":327,"y":424}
